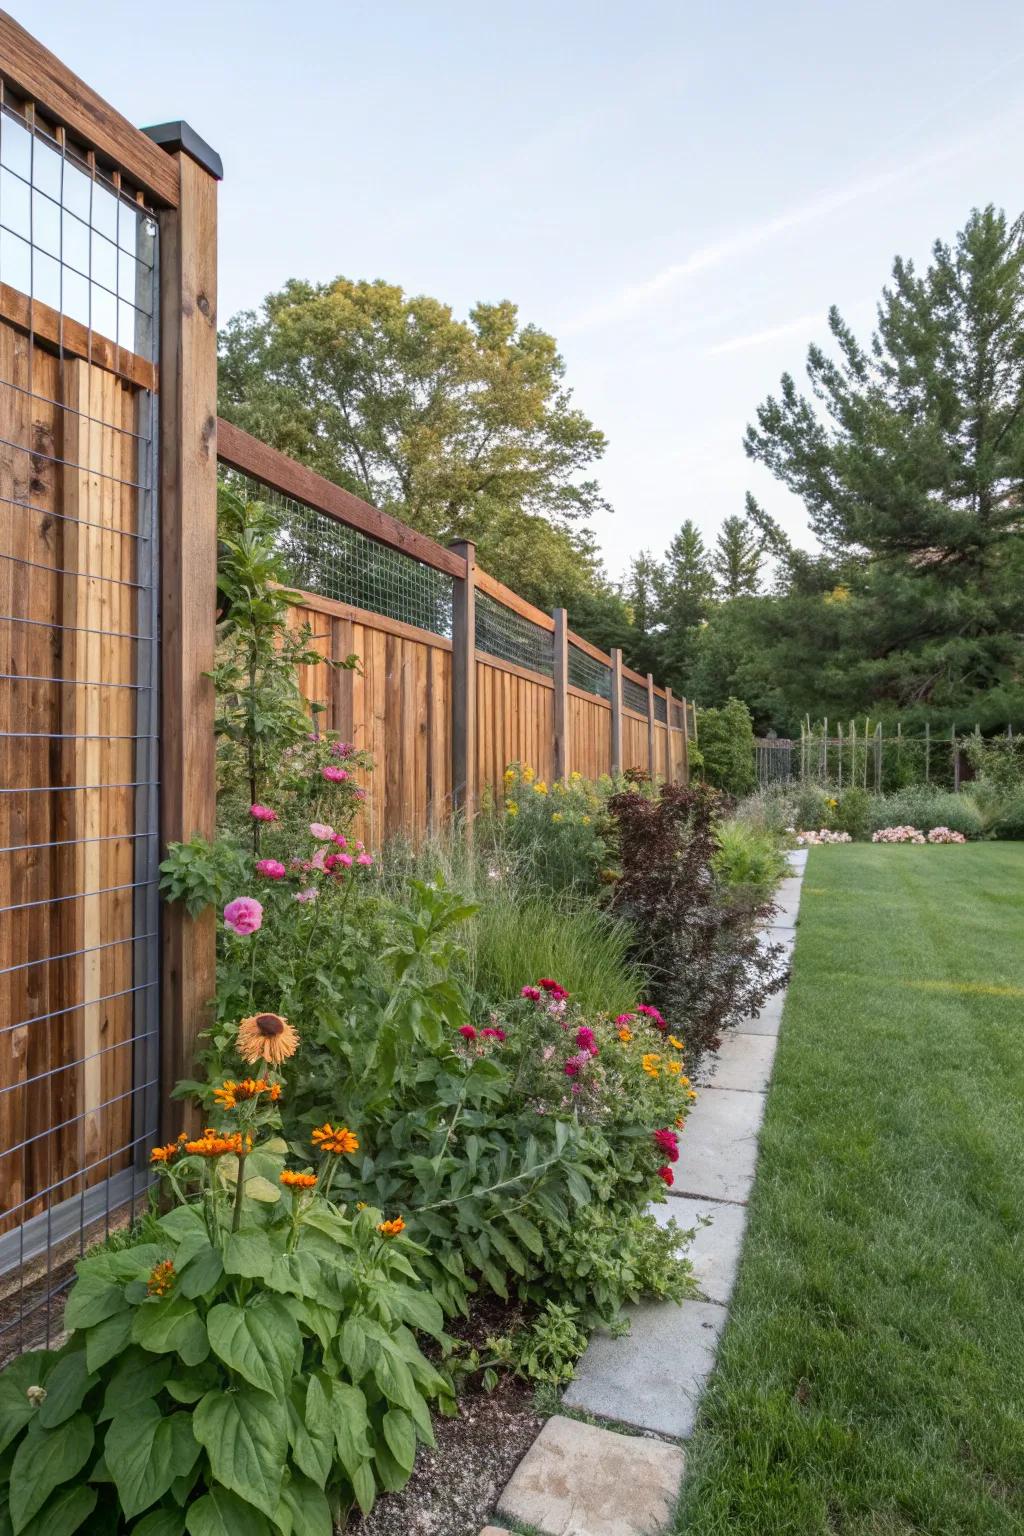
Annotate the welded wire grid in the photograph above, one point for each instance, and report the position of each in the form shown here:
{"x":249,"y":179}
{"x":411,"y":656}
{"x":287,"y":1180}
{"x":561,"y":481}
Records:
{"x":589,"y":674}
{"x":79,"y":829}
{"x":633,"y":696}
{"x":328,"y":557}
{"x":503,"y":633}
{"x":660,"y":709}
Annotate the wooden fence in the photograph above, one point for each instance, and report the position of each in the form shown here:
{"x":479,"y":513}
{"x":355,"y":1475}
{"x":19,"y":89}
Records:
{"x":442,"y":713}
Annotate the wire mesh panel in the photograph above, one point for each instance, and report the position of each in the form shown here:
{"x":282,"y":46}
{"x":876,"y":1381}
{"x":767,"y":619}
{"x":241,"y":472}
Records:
{"x":79,"y":913}
{"x":503,"y":633}
{"x":633,"y":696}
{"x":328,"y":557}
{"x":660,"y":709}
{"x":586,"y":672}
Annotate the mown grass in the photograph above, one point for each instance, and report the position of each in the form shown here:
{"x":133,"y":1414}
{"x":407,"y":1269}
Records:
{"x":871,"y":1377}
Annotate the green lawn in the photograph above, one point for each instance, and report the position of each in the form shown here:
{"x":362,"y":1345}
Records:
{"x":871,"y":1377}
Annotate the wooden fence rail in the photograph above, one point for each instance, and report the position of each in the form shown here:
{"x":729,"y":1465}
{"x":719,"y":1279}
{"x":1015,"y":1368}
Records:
{"x":442,"y":714}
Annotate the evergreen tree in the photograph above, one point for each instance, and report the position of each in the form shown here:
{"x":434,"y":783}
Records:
{"x":685,"y":587}
{"x":737,"y":559}
{"x":643,"y":651}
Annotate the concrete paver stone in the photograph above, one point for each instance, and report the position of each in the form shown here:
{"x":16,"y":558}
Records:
{"x":744,"y":1061}
{"x":579,"y":1480}
{"x":718,"y":1148}
{"x":717,"y":1242}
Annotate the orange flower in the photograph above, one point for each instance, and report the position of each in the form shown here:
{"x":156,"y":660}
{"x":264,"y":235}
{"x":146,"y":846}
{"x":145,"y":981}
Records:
{"x":337,"y":1141}
{"x":676,"y":1045}
{"x":266,"y":1037}
{"x":298,"y":1180}
{"x":230,"y":1093}
{"x":214,"y":1144}
{"x":625,"y":1035}
{"x":165,"y":1154}
{"x":391,"y":1228}
{"x":161,"y":1278}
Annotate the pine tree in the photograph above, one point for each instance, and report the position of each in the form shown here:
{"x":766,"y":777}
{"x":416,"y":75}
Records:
{"x":737,"y":559}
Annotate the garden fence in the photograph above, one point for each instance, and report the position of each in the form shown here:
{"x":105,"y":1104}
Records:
{"x":869,"y":756}
{"x":108,"y":551}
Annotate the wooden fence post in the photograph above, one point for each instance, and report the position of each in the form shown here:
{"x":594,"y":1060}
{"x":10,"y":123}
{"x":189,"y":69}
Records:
{"x":561,"y":679}
{"x":188,"y":580}
{"x":652,"y":735}
{"x":669,"y":765}
{"x":616,"y":751}
{"x":464,"y":786}
{"x":686,"y":742}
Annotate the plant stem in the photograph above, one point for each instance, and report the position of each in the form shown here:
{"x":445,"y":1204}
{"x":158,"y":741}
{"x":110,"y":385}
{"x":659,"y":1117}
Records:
{"x":236,"y":1219}
{"x":476,"y":1194}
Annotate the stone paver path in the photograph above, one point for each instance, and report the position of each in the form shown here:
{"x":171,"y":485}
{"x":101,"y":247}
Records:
{"x":572,"y":1484}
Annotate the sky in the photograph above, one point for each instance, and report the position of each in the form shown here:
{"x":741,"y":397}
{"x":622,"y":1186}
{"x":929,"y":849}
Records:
{"x":677,"y":191}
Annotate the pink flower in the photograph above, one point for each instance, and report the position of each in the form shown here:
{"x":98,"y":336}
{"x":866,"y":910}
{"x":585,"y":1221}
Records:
{"x":360,"y":794}
{"x":262,"y":813}
{"x":493,"y":1034}
{"x":319,"y":859}
{"x":623,"y":1019}
{"x":552,"y":988}
{"x":667,"y":1174}
{"x":467,"y":1032}
{"x":244,"y":915}
{"x":586,"y":1039}
{"x":547,"y":1053}
{"x":335,"y":775}
{"x":310,"y":895}
{"x":573,"y":1065}
{"x":654,"y":1016}
{"x":270,"y":869}
{"x":556,"y":1007}
{"x":342,"y":749}
{"x":532,"y":993}
{"x":667,"y":1142}
{"x":340,"y":840}
{"x":365,"y":859}
{"x":335,"y":861}
{"x":321,"y":831}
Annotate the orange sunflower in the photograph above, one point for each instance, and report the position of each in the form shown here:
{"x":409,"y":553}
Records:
{"x":338,"y":1141}
{"x":266,"y":1037}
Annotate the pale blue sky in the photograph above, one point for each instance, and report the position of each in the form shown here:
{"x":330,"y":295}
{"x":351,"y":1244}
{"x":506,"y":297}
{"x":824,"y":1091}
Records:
{"x":677,"y":191}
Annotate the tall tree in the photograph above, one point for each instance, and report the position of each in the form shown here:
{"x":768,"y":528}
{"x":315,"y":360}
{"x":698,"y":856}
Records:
{"x":737,"y":559}
{"x":643,"y":652}
{"x":910,"y":461}
{"x":686,"y":588}
{"x":464,"y":429}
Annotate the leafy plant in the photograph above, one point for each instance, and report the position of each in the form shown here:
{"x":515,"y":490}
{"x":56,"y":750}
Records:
{"x":727,"y":747}
{"x":748,"y":859}
{"x":553,"y":833}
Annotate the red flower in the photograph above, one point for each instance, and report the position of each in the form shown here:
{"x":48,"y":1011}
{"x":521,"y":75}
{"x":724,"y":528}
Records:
{"x":493,"y":1034}
{"x":532,"y":993}
{"x":556,"y":990}
{"x":668,"y":1176}
{"x":668,"y":1142}
{"x":586,"y":1039}
{"x":467,"y":1032}
{"x":654,"y":1016}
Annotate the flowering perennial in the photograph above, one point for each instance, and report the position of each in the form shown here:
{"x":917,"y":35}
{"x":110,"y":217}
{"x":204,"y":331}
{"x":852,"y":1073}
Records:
{"x":266,"y":1037}
{"x":905,"y":834}
{"x":821,"y":837}
{"x":340,"y":1141}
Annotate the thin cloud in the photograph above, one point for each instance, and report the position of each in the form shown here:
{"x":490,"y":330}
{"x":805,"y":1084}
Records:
{"x":636,"y":297}
{"x":756,"y":338}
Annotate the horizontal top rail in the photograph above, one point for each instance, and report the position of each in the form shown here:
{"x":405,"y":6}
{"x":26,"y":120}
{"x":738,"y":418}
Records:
{"x":588,"y":649}
{"x":39,"y":76}
{"x":238,"y":449}
{"x":505,"y":595}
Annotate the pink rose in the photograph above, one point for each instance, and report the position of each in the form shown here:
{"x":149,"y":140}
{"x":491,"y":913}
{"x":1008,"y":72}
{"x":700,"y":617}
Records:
{"x":319,"y":859}
{"x":244,"y":915}
{"x":321,"y":831}
{"x":335,"y":775}
{"x":262,"y":813}
{"x":270,"y":869}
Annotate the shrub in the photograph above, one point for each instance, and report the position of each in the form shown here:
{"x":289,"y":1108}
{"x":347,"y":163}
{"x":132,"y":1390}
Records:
{"x":513,"y":937}
{"x":727,"y":747}
{"x":925,"y":807}
{"x":897,"y":835}
{"x":1010,"y":821}
{"x":999,"y":760}
{"x":748,"y":859}
{"x":853,"y":813}
{"x":252,"y":1368}
{"x":707,"y":964}
{"x":552,"y":834}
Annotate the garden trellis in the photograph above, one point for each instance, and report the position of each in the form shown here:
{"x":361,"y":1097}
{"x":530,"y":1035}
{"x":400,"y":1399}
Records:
{"x":866,"y":754}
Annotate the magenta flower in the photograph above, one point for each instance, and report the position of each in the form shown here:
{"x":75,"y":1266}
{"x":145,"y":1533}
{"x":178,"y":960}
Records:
{"x":335,"y":775}
{"x":262,"y":813}
{"x":668,"y":1142}
{"x":244,"y":915}
{"x":467,"y":1032}
{"x":360,"y":794}
{"x":654,"y":1016}
{"x":321,"y":831}
{"x":310,"y":895}
{"x":586,"y":1039}
{"x":340,"y":840}
{"x":344,"y":859}
{"x":342,"y":749}
{"x":573,"y":1065}
{"x":365,"y":859}
{"x":270,"y":869}
{"x":623,"y":1019}
{"x":493,"y":1034}
{"x":532,"y":993}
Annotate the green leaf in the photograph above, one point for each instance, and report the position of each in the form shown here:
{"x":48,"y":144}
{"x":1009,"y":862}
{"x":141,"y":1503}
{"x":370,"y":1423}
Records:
{"x":145,"y":1451}
{"x":248,"y":1253}
{"x":64,"y":1513}
{"x":364,"y":1487}
{"x":395,"y":1380}
{"x":352,"y":1347}
{"x":16,"y":1409}
{"x":308,"y":1507}
{"x":245,"y":1434}
{"x":390,"y":1475}
{"x":190,"y":1386}
{"x":161,"y":1522}
{"x":93,"y":1299}
{"x":310,"y":1430}
{"x":45,"y":1459}
{"x":201,"y":1273}
{"x":579,"y":1189}
{"x":527,"y":1233}
{"x":108,"y":1339}
{"x":401,"y":1438}
{"x":183,"y":1221}
{"x":171,"y":1325}
{"x":66,"y":1386}
{"x":222,"y":1513}
{"x":350,"y":1425}
{"x":137,"y":1378}
{"x":420,"y":1310}
{"x":261,"y":1342}
{"x":261,"y":1189}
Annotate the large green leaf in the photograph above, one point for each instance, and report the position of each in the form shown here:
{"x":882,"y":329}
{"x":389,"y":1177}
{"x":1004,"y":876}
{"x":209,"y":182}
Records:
{"x":248,"y":1253}
{"x":94,"y":1298}
{"x":222,"y":1513}
{"x":136,"y":1379}
{"x":395,"y":1380}
{"x":161,"y":1522}
{"x":245,"y":1434}
{"x":202,"y":1271}
{"x":350,"y":1424}
{"x":308,"y":1508}
{"x":16,"y":1407}
{"x":401,"y":1437}
{"x":262,"y":1342}
{"x":311,"y":1430}
{"x":172,"y":1326}
{"x":419,"y":1309}
{"x":364,"y":1486}
{"x":64,"y":1513}
{"x":45,"y":1459}
{"x":108,"y":1339}
{"x":145,"y":1451}
{"x":66,"y":1386}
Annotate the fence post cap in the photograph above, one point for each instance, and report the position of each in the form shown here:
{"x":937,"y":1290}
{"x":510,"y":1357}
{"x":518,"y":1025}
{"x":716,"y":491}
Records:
{"x":180,"y":136}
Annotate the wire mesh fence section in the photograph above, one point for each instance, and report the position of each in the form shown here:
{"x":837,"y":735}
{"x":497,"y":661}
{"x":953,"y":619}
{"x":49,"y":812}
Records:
{"x":586,"y":672}
{"x":774,"y":757}
{"x":505,"y":634}
{"x":79,"y":811}
{"x":660,"y":709}
{"x":633,"y":696}
{"x":325,"y":556}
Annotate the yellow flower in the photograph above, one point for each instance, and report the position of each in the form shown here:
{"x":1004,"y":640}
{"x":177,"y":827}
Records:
{"x":360,"y":1205}
{"x":557,"y":816}
{"x":528,"y":774}
{"x":575,"y":777}
{"x":649,"y":1062}
{"x":586,"y":821}
{"x":691,"y":1095}
{"x":511,"y":809}
{"x":161,"y":1278}
{"x":675,"y":1067}
{"x":675,"y":1044}
{"x":540,"y":788}
{"x":625,"y":1035}
{"x":391,"y":1228}
{"x":510,"y":775}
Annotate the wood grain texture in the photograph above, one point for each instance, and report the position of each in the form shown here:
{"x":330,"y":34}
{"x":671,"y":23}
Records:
{"x":73,"y":339}
{"x":465,"y":783}
{"x":38,"y":75}
{"x":561,"y":748}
